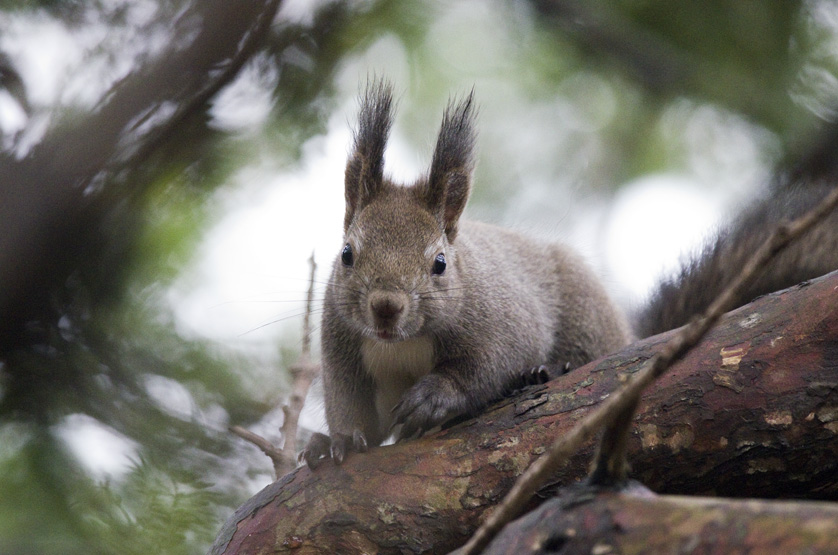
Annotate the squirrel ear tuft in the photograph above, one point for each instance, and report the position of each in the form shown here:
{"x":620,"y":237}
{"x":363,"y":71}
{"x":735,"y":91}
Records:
{"x":364,"y":177}
{"x":449,"y":181}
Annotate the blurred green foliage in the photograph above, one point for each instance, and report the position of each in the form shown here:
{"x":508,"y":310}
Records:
{"x":577,"y":98}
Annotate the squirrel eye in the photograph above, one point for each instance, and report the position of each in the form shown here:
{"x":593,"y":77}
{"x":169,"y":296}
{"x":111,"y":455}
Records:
{"x":439,"y":264}
{"x":346,"y":256}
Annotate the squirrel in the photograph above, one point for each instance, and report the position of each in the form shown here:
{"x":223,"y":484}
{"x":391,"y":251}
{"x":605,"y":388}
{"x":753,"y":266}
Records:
{"x":428,"y":316}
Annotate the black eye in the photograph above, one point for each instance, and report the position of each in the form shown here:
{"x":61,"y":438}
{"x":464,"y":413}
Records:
{"x":439,"y":265}
{"x":346,"y":256}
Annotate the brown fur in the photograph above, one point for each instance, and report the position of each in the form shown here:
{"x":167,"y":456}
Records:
{"x":405,"y":346}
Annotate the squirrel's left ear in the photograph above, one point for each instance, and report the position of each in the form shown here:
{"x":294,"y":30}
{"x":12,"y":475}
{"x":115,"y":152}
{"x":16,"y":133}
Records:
{"x":449,"y":181}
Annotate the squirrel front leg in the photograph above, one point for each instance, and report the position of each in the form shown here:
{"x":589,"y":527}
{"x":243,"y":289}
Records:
{"x":431,"y":401}
{"x":352,"y":425}
{"x":350,"y":396}
{"x":455,"y":387}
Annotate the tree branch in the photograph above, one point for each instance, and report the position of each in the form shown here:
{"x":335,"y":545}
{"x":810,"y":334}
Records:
{"x":634,"y":519}
{"x":302,"y":373}
{"x":266,"y":446}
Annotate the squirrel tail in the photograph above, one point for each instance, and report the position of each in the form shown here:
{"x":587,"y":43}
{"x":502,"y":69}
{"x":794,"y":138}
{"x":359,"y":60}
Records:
{"x":699,"y":281}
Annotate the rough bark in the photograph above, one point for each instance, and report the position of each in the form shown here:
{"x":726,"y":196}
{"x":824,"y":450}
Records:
{"x":638,"y":521}
{"x":751,"y":412}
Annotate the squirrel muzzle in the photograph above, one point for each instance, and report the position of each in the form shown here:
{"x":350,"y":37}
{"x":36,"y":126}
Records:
{"x":386,"y":310}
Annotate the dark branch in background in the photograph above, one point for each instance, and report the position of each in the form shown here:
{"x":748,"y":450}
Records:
{"x":658,"y":65}
{"x":617,"y":412}
{"x":256,"y":22}
{"x":721,"y":55}
{"x":73,"y":217}
{"x":818,"y":163}
{"x":302,"y":374}
{"x":11,"y":81}
{"x":52,"y":199}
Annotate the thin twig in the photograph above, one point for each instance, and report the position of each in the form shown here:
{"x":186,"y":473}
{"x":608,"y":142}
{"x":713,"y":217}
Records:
{"x":628,"y":396}
{"x":266,"y":446}
{"x":306,"y":349}
{"x":302,"y":373}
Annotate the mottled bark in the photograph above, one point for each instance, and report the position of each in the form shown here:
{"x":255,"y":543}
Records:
{"x":638,"y":521}
{"x":750,"y":412}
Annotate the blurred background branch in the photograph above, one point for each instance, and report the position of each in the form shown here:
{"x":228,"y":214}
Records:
{"x":55,"y":195}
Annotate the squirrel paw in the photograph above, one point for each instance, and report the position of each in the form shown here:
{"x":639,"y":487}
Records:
{"x":542,"y":374}
{"x":429,"y":403}
{"x":322,"y":447}
{"x":535,"y":376}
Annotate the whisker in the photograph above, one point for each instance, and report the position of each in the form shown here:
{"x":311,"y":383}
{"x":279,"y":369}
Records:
{"x":264,"y":301}
{"x":276,"y":321}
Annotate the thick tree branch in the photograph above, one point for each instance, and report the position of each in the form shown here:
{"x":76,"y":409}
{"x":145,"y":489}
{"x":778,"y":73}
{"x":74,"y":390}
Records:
{"x":632,"y":520}
{"x":749,"y":412}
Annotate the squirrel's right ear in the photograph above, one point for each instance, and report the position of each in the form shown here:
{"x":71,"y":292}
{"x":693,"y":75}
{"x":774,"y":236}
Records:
{"x":449,"y":181}
{"x":364,"y":176}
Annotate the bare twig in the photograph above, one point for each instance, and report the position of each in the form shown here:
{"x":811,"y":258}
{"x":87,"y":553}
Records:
{"x":622,"y":404}
{"x":306,"y":349}
{"x":266,"y":446}
{"x":302,"y":374}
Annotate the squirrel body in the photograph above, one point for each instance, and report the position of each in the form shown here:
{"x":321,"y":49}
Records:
{"x":504,"y":316}
{"x":427,"y":317}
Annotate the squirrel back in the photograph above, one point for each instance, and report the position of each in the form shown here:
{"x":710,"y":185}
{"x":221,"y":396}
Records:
{"x":701,"y":278}
{"x":428,"y":317}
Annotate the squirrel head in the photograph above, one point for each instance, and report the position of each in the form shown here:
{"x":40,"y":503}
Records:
{"x":397,"y":274}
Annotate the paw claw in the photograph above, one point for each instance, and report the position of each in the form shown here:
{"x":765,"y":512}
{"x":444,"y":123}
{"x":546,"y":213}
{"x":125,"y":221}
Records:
{"x":359,"y":441}
{"x":321,"y":447}
{"x":316,"y":451}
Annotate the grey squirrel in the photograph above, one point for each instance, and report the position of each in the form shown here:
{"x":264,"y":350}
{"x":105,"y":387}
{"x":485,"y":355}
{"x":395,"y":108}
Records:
{"x":428,"y":316}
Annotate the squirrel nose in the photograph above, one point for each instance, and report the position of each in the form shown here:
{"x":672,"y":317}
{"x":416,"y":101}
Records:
{"x":386,"y":306}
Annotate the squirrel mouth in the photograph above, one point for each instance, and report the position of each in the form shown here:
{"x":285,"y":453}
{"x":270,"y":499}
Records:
{"x":385,"y":335}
